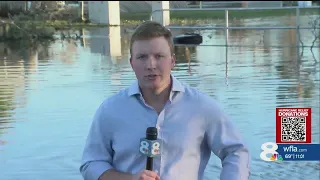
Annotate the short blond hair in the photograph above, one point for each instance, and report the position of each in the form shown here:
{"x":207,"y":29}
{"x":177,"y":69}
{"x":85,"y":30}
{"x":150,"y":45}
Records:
{"x":150,"y":29}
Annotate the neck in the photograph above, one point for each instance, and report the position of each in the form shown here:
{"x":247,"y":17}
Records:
{"x":156,"y":96}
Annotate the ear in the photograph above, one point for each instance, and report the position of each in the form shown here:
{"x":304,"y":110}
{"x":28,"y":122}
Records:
{"x":173,"y":60}
{"x":130,"y":59}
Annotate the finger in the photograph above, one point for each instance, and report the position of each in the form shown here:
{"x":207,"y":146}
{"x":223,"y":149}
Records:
{"x":150,"y":173}
{"x":145,"y":176}
{"x":158,"y":177}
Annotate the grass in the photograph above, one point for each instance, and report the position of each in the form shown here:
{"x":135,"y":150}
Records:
{"x":206,"y":17}
{"x":177,"y":17}
{"x":64,"y":24}
{"x":233,"y":14}
{"x":61,"y":24}
{"x":57,"y":23}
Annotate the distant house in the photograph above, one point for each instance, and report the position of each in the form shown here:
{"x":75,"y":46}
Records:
{"x":94,"y":9}
{"x":262,"y":4}
{"x":233,"y":4}
{"x":304,"y":3}
{"x":13,"y":5}
{"x":18,"y":6}
{"x":138,"y":6}
{"x":61,"y":3}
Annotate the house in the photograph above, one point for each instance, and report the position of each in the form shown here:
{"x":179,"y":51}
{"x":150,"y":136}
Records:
{"x":14,"y":7}
{"x":263,"y":4}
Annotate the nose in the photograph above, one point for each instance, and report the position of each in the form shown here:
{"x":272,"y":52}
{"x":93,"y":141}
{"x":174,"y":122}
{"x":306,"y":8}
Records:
{"x":151,"y":63}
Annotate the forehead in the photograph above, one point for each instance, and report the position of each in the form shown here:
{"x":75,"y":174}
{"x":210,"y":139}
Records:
{"x":154,"y":45}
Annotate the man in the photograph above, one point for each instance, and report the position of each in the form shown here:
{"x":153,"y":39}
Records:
{"x":190,"y":124}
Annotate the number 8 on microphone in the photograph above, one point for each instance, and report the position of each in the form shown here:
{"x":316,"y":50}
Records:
{"x":150,"y":148}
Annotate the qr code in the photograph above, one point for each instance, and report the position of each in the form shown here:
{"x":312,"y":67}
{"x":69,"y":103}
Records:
{"x":293,"y":129}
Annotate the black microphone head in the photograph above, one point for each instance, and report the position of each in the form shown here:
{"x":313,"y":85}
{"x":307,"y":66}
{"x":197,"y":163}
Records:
{"x":152,"y":133}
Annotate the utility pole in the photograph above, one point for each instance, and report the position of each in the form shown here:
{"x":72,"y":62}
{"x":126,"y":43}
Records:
{"x":81,"y":10}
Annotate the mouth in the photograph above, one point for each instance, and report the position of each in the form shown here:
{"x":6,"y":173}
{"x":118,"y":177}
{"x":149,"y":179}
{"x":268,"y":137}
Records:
{"x":152,"y":76}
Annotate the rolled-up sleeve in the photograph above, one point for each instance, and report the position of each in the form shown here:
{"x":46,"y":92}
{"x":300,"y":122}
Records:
{"x":97,"y":153}
{"x":226,"y":142}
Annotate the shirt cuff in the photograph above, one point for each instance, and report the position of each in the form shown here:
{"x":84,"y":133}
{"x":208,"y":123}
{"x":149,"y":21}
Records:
{"x":96,"y":169}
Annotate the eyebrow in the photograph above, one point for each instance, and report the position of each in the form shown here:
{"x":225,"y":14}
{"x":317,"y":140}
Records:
{"x":141,"y":54}
{"x":162,"y":53}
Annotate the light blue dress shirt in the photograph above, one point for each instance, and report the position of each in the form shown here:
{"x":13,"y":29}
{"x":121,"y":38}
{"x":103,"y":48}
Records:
{"x":190,"y":127}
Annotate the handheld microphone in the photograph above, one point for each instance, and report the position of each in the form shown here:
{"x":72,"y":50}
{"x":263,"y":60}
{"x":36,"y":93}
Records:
{"x":150,"y":146}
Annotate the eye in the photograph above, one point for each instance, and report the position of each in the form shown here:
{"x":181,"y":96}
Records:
{"x":158,"y":56}
{"x":141,"y":57}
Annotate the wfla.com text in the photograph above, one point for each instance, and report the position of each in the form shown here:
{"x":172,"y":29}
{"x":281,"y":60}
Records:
{"x":292,"y":148}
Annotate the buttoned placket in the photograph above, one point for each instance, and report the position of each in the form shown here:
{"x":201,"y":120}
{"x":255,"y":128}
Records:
{"x":159,"y":125}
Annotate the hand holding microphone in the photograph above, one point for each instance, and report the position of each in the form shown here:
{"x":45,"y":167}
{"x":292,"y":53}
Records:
{"x":150,"y":147}
{"x":146,"y":175}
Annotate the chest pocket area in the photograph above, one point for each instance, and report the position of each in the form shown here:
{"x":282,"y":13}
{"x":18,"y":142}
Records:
{"x":184,"y":135}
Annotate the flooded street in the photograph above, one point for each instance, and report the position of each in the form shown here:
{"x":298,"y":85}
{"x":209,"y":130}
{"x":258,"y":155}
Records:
{"x":48,"y":94}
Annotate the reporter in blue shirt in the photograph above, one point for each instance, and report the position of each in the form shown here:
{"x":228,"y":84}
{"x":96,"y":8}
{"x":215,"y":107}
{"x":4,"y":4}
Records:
{"x":190,"y":124}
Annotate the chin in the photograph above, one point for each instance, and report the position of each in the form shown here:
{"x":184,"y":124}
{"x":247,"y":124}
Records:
{"x":153,"y":86}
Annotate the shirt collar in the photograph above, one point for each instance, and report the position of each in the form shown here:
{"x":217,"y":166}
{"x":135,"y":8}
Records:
{"x":177,"y":86}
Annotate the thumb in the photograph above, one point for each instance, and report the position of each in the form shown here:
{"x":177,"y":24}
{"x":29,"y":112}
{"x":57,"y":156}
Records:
{"x":158,"y":175}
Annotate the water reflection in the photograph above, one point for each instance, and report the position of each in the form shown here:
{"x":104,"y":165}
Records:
{"x":49,"y":92}
{"x":105,"y":41}
{"x":16,"y":64}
